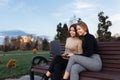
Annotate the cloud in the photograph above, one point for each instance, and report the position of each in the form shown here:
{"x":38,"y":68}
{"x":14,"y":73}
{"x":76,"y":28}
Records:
{"x":57,"y":14}
{"x":20,"y":7}
{"x":4,"y":3}
{"x":115,"y":28}
{"x":76,"y":7}
{"x":24,"y":8}
{"x":81,"y":5}
{"x":115,"y":17}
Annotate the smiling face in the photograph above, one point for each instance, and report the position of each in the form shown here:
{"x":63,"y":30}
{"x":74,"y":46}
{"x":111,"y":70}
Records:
{"x":72,"y":32}
{"x":80,"y":31}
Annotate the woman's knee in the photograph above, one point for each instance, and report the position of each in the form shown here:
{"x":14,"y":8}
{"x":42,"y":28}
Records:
{"x":72,"y":57}
{"x":76,"y":68}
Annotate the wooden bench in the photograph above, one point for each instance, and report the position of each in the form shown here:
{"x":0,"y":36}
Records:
{"x":110,"y":54}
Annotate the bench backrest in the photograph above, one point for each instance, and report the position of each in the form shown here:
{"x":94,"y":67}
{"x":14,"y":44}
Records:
{"x":110,"y":55}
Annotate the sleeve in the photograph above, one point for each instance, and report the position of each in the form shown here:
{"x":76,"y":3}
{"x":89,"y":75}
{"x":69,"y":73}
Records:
{"x":89,"y":47}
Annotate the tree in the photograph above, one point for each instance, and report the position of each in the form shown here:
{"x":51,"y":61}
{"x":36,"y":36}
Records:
{"x":103,"y":26}
{"x":65,"y":32}
{"x":74,"y":19}
{"x":6,"y":44}
{"x":45,"y":45}
{"x":59,"y":29}
{"x":62,"y":32}
{"x":79,"y":20}
{"x":29,"y":43}
{"x":38,"y":43}
{"x":13,"y":43}
{"x":18,"y":42}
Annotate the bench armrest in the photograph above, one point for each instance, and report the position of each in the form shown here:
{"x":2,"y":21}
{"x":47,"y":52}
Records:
{"x":39,"y":60}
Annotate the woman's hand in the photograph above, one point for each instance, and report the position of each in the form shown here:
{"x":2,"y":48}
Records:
{"x":70,"y":54}
{"x":65,"y":56}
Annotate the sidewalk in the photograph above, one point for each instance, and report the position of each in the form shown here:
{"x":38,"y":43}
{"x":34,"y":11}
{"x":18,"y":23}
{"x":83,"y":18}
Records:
{"x":26,"y":77}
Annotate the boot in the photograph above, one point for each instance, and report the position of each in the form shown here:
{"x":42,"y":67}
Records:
{"x":45,"y":77}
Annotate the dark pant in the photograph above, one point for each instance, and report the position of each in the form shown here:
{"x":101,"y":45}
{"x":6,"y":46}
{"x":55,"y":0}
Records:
{"x":57,"y":66}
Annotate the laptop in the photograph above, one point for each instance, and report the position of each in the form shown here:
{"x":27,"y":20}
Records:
{"x":55,"y":47}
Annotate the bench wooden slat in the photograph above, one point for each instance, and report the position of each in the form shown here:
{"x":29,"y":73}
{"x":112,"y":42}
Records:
{"x":110,"y":48}
{"x":111,"y":61}
{"x":111,"y":69}
{"x":112,"y":57}
{"x":102,"y":75}
{"x":109,"y":43}
{"x":42,"y":71}
{"x":111,"y":65}
{"x":109,"y":52}
{"x":88,"y":78}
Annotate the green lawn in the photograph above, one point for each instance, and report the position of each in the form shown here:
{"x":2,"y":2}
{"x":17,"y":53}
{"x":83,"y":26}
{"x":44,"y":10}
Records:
{"x":23,"y":59}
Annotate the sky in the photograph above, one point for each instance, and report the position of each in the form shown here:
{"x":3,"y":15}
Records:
{"x":41,"y":17}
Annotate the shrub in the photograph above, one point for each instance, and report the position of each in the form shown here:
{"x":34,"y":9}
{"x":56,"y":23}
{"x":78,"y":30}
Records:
{"x":11,"y":63}
{"x":34,"y":51}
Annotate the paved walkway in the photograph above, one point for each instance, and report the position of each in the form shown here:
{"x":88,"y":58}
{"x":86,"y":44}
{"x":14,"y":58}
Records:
{"x":26,"y":77}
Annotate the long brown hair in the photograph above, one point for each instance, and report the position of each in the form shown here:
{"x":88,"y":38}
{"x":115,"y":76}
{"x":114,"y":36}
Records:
{"x":84,"y":26}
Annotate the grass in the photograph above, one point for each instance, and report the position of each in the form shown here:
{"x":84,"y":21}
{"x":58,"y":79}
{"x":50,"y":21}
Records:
{"x":23,"y":59}
{"x":15,"y":52}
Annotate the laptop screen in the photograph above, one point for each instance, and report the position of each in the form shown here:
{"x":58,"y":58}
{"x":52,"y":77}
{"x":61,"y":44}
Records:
{"x":55,"y":47}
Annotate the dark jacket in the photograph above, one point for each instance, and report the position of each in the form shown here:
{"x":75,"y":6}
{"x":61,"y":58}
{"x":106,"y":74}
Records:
{"x":89,"y":45}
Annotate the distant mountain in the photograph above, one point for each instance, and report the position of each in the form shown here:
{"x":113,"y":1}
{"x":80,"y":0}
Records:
{"x":13,"y":33}
{"x":16,"y":33}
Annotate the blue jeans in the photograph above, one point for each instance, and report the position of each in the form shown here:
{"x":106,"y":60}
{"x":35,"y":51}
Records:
{"x":79,"y":63}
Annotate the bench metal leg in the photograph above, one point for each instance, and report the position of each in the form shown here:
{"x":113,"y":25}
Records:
{"x":31,"y":75}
